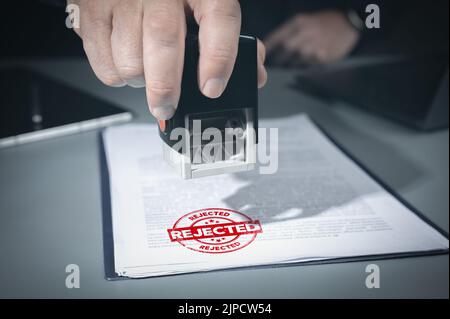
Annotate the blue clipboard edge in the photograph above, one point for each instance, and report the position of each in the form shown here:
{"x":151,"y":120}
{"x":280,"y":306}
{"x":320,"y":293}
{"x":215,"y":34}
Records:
{"x":108,"y":238}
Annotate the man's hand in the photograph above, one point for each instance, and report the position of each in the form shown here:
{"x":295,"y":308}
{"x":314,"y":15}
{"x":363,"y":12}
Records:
{"x":321,"y":37}
{"x":141,"y":43}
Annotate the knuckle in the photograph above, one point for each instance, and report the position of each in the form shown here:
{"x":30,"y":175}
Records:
{"x":127,"y":6}
{"x":160,"y":87}
{"x":165,"y":41}
{"x":164,"y":28}
{"x":129,"y":71}
{"x":98,"y":23}
{"x":90,"y":32}
{"x":228,"y":9}
{"x":221,"y":54}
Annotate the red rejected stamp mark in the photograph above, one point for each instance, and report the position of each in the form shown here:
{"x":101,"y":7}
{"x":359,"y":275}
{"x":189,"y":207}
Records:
{"x":214,"y":230}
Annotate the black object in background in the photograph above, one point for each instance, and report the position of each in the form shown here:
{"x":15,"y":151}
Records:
{"x":33,"y":28}
{"x":34,"y":107}
{"x":413,"y":90}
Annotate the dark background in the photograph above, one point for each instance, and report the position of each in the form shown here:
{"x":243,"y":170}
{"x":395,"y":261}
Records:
{"x":36,"y":28}
{"x":33,"y":28}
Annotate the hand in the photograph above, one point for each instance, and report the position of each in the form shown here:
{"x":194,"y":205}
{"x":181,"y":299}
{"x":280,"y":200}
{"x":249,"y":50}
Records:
{"x":322,"y":37}
{"x":141,"y":43}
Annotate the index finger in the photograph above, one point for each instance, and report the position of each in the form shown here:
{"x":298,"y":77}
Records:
{"x":220,"y":25}
{"x":164,"y":31}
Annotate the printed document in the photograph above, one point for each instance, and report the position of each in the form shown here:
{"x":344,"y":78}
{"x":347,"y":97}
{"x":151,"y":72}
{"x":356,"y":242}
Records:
{"x":318,"y":205}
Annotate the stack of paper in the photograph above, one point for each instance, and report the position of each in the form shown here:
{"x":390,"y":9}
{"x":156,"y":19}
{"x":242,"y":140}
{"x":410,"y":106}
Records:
{"x":319,"y":205}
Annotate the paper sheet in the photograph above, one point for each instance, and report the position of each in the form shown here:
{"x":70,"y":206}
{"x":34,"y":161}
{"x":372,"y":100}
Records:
{"x":318,"y":205}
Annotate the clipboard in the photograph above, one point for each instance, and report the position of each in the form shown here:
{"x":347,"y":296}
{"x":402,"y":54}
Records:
{"x":108,"y":237}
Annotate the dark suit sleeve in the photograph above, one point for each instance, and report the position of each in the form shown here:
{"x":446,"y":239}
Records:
{"x":406,"y":26}
{"x":59,"y":3}
{"x":390,"y":14}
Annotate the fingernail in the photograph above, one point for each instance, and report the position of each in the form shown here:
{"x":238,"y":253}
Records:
{"x":163,"y":112}
{"x":118,"y":85}
{"x":138,"y":82}
{"x":213,"y":88}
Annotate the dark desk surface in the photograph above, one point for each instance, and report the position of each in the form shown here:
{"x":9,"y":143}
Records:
{"x":50,"y":209}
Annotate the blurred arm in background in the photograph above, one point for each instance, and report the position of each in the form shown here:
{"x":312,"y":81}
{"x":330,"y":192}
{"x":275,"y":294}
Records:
{"x":320,"y":37}
{"x":318,"y":32}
